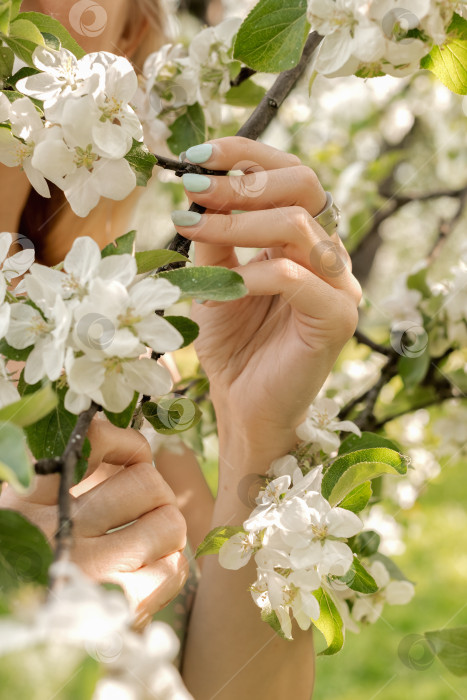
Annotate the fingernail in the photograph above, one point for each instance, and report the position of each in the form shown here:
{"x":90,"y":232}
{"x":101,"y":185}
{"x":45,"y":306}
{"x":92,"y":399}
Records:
{"x":196,"y":183}
{"x":185,"y":218}
{"x":182,"y":156}
{"x":200,"y":301}
{"x":199,"y":154}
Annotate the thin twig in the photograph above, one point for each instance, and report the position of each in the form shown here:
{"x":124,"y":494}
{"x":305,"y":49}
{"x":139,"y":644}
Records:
{"x":69,"y":460}
{"x":260,"y":118}
{"x":365,"y":340}
{"x":182,"y":167}
{"x":243,"y":75}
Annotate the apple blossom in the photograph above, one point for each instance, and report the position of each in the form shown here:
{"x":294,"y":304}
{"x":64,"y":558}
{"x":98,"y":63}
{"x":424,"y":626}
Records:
{"x":320,"y":425}
{"x":368,"y":608}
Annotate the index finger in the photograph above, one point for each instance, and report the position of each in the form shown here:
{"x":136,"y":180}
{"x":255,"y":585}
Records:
{"x":239,"y":153}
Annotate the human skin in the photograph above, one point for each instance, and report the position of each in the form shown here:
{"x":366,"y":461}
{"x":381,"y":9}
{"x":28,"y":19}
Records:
{"x":266,"y":356}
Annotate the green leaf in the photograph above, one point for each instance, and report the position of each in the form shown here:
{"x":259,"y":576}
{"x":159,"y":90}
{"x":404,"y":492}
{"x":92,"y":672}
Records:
{"x":450,"y":646}
{"x":51,"y":41}
{"x":7,"y":58}
{"x":188,"y":328}
{"x":15,"y":463}
{"x":21,"y":48}
{"x":247,"y":94}
{"x":394,"y":571}
{"x":354,"y":442}
{"x":148,"y":260}
{"x":358,"y":579}
{"x":82,"y":463}
{"x":121,"y":245}
{"x":188,"y":129}
{"x":49,"y":25}
{"x":30,"y":409}
{"x":23,"y":72}
{"x":272,"y":36}
{"x":358,"y":498}
{"x":365,"y":544}
{"x":329,"y":623}
{"x":417,"y":280}
{"x":25,"y":555}
{"x":12,"y":353}
{"x":123,"y":419}
{"x":449,"y":61}
{"x":24,"y":29}
{"x":215,"y":539}
{"x":142,"y":162}
{"x":270,"y":617}
{"x":214,"y":283}
{"x":49,"y":436}
{"x":352,"y":469}
{"x":172,"y":415}
{"x":413,"y":369}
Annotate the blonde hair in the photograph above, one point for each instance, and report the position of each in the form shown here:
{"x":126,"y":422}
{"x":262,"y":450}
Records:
{"x":49,"y":223}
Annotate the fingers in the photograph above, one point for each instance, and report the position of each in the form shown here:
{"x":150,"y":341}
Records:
{"x":121,"y":446}
{"x":331,"y":308}
{"x":119,"y":500}
{"x":229,"y":152}
{"x":151,"y":537}
{"x":152,"y":587}
{"x":291,"y":229}
{"x":262,"y":189}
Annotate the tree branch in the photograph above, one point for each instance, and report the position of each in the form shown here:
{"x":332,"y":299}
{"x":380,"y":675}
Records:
{"x":261,"y":117}
{"x":365,"y":340}
{"x":68,"y":462}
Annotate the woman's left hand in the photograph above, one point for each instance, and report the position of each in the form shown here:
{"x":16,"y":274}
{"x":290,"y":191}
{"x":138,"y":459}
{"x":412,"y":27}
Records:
{"x":268,"y":354}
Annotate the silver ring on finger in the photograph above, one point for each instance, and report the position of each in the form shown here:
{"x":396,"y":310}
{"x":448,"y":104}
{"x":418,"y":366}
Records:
{"x":328,"y":217}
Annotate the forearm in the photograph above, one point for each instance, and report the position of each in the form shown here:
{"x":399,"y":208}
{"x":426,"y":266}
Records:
{"x":251,"y":661}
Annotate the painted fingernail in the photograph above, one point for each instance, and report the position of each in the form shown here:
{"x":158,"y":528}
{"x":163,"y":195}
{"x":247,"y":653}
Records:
{"x":200,"y":301}
{"x":196,"y":183}
{"x":200,"y":153}
{"x":182,"y":156}
{"x":185,"y":218}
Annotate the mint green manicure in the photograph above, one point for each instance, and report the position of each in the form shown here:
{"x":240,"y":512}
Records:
{"x":196,"y":183}
{"x":199,"y":154}
{"x":185,"y":218}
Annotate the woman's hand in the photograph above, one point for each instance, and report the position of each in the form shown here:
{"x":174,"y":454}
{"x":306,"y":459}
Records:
{"x":121,"y":487}
{"x":268,"y":354}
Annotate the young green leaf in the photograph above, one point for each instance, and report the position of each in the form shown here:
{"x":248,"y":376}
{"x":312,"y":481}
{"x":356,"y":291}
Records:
{"x":272,"y":36}
{"x":247,"y":94}
{"x":121,"y":245}
{"x":148,"y":260}
{"x":31,"y":408}
{"x":215,"y":539}
{"x":358,"y":498}
{"x":49,"y":436}
{"x":25,"y":29}
{"x":354,"y":442}
{"x":142,"y":162}
{"x":270,"y":617}
{"x":413,"y":369}
{"x":15,"y":463}
{"x":123,"y":419}
{"x":365,"y":544}
{"x":188,"y":328}
{"x":7,"y":58}
{"x":358,"y":579}
{"x":213,"y":283}
{"x":450,"y":646}
{"x":329,"y":623}
{"x":12,"y":353}
{"x":352,"y":469}
{"x":188,"y":130}
{"x":49,"y":25}
{"x":449,"y":61}
{"x":25,"y":555}
{"x":172,"y":415}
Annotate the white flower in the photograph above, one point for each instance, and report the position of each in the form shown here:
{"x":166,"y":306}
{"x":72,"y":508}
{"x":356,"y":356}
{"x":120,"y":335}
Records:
{"x":112,"y":381}
{"x":8,"y":391}
{"x":17,"y":146}
{"x":48,"y":332}
{"x":320,"y":425}
{"x":78,"y":169}
{"x":82,"y":264}
{"x":238,"y":549}
{"x":368,"y":608}
{"x":403,"y":304}
{"x":127,"y":318}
